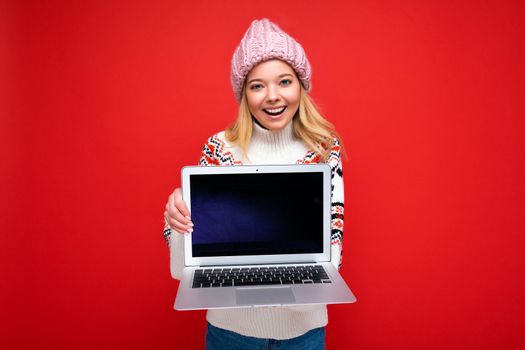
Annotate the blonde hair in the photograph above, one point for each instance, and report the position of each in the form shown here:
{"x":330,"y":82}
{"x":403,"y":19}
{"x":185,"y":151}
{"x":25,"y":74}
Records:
{"x":308,"y":125}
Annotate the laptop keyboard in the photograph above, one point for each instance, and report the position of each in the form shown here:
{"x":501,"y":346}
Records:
{"x":259,"y":276}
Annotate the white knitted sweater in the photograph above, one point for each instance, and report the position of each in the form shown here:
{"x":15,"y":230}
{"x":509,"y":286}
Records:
{"x":269,"y":147}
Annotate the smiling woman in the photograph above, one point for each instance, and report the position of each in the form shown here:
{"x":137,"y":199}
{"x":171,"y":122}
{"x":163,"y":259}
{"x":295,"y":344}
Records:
{"x":277,"y":123}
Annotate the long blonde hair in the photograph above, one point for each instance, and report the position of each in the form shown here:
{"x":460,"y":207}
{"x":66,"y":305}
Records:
{"x":308,"y":125}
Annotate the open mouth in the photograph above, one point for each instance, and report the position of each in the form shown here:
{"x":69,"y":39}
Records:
{"x":274,"y":111}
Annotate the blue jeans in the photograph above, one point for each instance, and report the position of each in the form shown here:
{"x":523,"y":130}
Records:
{"x":219,"y":339}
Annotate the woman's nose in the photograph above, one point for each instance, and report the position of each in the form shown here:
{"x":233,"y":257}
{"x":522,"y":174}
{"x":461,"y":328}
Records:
{"x":272,"y":94}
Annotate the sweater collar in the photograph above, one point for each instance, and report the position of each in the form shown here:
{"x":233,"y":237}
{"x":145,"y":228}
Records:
{"x":279,"y":139}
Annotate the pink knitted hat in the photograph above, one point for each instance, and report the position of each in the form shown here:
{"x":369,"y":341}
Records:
{"x":263,"y":41}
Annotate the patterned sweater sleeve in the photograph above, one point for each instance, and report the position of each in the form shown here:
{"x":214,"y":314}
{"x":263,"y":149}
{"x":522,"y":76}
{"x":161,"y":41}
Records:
{"x":337,"y":220}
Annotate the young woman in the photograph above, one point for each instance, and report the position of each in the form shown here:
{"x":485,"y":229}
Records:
{"x":277,"y":123}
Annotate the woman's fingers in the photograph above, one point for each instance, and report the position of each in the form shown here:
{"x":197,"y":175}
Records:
{"x":177,"y":214}
{"x":177,"y":226}
{"x":180,"y":204}
{"x":181,"y":207}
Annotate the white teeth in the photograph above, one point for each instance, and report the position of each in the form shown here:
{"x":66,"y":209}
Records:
{"x":275,"y":110}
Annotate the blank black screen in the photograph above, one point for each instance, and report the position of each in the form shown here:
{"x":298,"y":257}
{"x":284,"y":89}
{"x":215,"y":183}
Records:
{"x":256,"y":214}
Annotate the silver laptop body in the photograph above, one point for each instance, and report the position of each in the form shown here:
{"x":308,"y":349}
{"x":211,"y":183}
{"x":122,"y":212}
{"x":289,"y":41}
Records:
{"x":261,"y":238}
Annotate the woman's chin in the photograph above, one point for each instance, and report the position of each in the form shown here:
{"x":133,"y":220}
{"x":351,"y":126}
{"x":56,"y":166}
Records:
{"x":276,"y":123}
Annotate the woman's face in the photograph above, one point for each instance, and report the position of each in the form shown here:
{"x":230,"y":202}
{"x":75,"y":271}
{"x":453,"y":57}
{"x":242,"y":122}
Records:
{"x":273,"y":93}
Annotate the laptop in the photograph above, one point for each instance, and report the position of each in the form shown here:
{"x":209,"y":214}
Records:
{"x":261,"y":237}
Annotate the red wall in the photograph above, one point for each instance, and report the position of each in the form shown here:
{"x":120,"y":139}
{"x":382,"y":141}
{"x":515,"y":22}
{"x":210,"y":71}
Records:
{"x":104,"y":101}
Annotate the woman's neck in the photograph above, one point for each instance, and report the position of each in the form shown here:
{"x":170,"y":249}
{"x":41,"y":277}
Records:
{"x":275,"y":147}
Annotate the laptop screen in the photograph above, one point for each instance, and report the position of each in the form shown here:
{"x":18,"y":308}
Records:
{"x":257,"y":214}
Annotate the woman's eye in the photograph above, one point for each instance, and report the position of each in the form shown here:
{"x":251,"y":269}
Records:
{"x":255,"y":86}
{"x":286,"y":82}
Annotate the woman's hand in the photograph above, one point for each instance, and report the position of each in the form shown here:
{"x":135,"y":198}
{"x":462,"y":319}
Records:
{"x":177,"y":215}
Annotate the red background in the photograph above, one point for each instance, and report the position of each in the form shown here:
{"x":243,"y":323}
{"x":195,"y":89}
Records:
{"x":102,"y":102}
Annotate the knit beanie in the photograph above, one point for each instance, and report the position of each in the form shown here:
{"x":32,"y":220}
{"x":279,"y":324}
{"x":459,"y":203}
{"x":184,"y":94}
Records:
{"x":263,"y":41}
